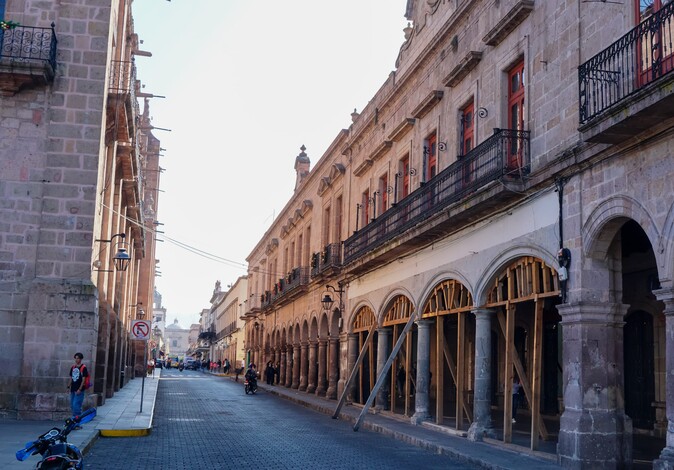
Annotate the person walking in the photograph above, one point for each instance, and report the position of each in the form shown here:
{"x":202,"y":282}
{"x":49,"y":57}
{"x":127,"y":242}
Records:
{"x":78,"y":376}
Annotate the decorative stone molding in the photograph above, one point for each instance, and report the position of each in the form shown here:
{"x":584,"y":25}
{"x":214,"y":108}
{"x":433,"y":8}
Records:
{"x":360,"y":169}
{"x":509,"y":22}
{"x":427,"y":104}
{"x":401,"y":129}
{"x":381,"y":150}
{"x":463,"y":68}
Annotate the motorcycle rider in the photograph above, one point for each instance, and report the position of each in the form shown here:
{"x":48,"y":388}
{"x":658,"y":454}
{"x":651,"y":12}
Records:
{"x":251,"y":375}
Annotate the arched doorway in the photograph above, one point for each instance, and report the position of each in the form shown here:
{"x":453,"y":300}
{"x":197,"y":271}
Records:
{"x":527,"y":347}
{"x":452,"y":351}
{"x":363,"y":321}
{"x":402,"y":377}
{"x":643,"y":341}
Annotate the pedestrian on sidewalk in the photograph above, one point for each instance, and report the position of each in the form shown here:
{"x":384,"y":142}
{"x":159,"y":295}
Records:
{"x":78,"y":375}
{"x":269,"y":373}
{"x":517,"y":391}
{"x":227,"y":366}
{"x":277,"y":373}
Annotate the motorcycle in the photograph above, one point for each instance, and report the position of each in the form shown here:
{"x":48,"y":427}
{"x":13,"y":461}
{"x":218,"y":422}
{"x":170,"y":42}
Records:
{"x":250,"y":386}
{"x":54,"y":448}
{"x":181,"y":367}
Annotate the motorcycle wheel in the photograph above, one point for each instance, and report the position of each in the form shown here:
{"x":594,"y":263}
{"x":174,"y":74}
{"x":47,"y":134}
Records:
{"x":246,"y":389}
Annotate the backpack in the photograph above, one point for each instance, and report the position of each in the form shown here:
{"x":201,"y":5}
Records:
{"x":87,"y":379}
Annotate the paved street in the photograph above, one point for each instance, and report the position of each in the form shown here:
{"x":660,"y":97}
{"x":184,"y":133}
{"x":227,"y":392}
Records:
{"x":203,"y":421}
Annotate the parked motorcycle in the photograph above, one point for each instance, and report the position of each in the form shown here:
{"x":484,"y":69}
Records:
{"x":54,"y":448}
{"x":250,"y":386}
{"x":181,"y":367}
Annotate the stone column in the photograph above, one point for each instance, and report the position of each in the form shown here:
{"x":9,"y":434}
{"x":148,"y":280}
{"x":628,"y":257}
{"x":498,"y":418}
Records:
{"x":666,"y":459}
{"x":322,"y":376}
{"x":311,"y":385}
{"x":352,"y":357}
{"x":333,"y":372}
{"x":304,"y":367}
{"x":297,"y":362}
{"x":482,"y":425}
{"x":421,"y":399}
{"x":383,"y":351}
{"x":289,"y":365}
{"x":594,"y":430}
{"x":282,"y":366}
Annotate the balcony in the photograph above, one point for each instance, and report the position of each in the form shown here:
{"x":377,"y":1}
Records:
{"x":122,"y":105}
{"x":27,"y":58}
{"x":253,"y":305}
{"x":489,"y":176}
{"x":627,"y":87}
{"x":328,"y":262}
{"x":289,"y":287}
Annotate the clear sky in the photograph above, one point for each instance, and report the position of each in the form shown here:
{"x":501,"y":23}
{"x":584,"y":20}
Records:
{"x":247,"y":83}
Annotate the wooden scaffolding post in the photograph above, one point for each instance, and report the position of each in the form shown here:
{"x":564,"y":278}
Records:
{"x":439,"y":369}
{"x":460,"y":366}
{"x":536,"y":375}
{"x":355,"y":370}
{"x":508,"y":374}
{"x":384,"y":371}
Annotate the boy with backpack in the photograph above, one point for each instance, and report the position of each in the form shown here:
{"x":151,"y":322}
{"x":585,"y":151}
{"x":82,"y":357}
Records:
{"x":79,"y":382}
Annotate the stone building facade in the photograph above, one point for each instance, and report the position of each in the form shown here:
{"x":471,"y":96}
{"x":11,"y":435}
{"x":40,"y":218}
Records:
{"x":502,"y":209}
{"x":77,"y":159}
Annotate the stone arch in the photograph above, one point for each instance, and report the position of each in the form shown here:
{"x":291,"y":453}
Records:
{"x":313,"y":329}
{"x":440,"y":277}
{"x":504,"y":259}
{"x":354,"y":319}
{"x":390,"y":299}
{"x":323,"y":325}
{"x":605,"y":220}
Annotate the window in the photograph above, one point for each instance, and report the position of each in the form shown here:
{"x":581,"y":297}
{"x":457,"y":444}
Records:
{"x":430,"y":157}
{"x":338,"y":219}
{"x":516,"y":83}
{"x":326,"y":226}
{"x":364,"y":208}
{"x":655,"y":49}
{"x":383,"y":188}
{"x":467,"y":129}
{"x":404,"y":176}
{"x":307,"y":251}
{"x":299,"y":250}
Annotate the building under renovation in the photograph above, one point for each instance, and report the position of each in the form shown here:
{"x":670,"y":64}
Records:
{"x":499,"y":216}
{"x":79,"y":170}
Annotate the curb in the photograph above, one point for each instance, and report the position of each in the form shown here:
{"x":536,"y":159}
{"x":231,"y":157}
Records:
{"x":125,"y":432}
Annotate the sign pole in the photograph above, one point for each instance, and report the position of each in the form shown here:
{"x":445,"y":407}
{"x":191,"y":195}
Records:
{"x":142,"y":383}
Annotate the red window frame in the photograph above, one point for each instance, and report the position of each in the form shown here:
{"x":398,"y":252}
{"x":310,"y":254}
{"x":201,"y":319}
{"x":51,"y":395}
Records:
{"x":516,"y":97}
{"x":431,"y":156}
{"x":405,"y":168}
{"x":467,"y":128}
{"x":651,"y":42}
{"x":383,"y":186}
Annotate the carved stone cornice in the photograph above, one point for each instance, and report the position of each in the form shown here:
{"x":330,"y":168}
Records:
{"x":463,"y":68}
{"x":509,"y":22}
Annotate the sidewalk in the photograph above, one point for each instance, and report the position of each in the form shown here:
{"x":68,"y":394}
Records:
{"x":119,"y":416}
{"x":437,"y":439}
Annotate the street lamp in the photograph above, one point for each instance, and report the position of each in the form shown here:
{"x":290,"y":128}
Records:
{"x":121,"y":259}
{"x":328,"y":302}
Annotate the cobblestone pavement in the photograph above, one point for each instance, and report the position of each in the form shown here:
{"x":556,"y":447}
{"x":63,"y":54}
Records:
{"x":206,"y":422}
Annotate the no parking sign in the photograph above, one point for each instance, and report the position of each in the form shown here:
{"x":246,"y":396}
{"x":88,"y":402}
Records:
{"x":140,"y":330}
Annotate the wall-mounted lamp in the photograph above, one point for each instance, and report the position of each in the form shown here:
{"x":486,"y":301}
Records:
{"x":327,"y":299}
{"x":121,"y":259}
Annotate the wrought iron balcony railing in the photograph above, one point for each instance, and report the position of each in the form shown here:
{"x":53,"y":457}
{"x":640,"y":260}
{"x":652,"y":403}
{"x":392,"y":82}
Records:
{"x":295,"y":279}
{"x":506,"y":153}
{"x":29,"y":44}
{"x":640,"y":57}
{"x":330,"y":257}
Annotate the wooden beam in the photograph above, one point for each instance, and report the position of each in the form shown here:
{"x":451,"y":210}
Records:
{"x":460,"y":368}
{"x":439,"y":370}
{"x":508,"y":373}
{"x":356,"y":368}
{"x":384,"y":371}
{"x":523,"y":377}
{"x":536,"y":418}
